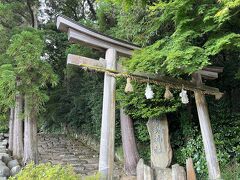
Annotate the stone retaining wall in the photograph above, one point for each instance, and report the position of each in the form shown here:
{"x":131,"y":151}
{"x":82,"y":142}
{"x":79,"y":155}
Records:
{"x":94,"y":144}
{"x":87,"y":140}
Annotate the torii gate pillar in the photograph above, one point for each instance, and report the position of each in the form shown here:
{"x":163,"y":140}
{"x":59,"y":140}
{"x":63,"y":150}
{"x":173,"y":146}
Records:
{"x":106,"y":157}
{"x":206,"y":130}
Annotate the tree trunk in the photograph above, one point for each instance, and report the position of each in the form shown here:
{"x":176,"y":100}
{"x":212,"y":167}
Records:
{"x":35,"y":21}
{"x":33,"y":12}
{"x":30,"y":120}
{"x":30,"y":135}
{"x":18,"y":128}
{"x":131,"y":156}
{"x":11,"y":125}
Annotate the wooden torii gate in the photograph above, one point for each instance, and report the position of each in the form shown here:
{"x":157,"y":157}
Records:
{"x":113,"y":47}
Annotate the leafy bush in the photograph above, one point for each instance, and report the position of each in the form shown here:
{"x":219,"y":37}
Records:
{"x":231,"y":171}
{"x":119,"y":153}
{"x":93,"y":177}
{"x":46,"y":172}
{"x":187,"y":142}
{"x":138,"y":107}
{"x":3,"y":123}
{"x":143,"y":139}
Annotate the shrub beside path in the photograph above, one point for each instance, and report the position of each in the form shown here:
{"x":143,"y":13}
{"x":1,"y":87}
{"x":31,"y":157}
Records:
{"x":60,"y":149}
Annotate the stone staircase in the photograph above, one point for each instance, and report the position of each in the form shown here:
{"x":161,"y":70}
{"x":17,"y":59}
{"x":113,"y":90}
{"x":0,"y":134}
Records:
{"x":59,"y":149}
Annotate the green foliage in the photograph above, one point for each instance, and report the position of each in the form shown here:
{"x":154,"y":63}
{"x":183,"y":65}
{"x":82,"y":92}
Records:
{"x":119,"y":153}
{"x":106,"y":17}
{"x":165,"y":58}
{"x":143,"y":139}
{"x":33,"y":73}
{"x":3,"y":123}
{"x":129,"y":27}
{"x":5,"y":37}
{"x":7,"y":85}
{"x":46,"y":172}
{"x":141,"y":131}
{"x":137,"y":106}
{"x":187,"y":142}
{"x":231,"y":171}
{"x":228,"y":41}
{"x":227,"y":9}
{"x":197,"y":37}
{"x":226,"y":125}
{"x":73,"y":8}
{"x":22,"y":61}
{"x":26,"y":49}
{"x":127,"y":4}
{"x":193,"y":148}
{"x":93,"y":177}
{"x":16,"y":13}
{"x":9,"y":14}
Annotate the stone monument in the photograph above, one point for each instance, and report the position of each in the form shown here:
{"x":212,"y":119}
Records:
{"x":161,"y":151}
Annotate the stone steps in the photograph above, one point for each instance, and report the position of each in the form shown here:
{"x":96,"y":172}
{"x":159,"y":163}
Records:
{"x":62,"y":150}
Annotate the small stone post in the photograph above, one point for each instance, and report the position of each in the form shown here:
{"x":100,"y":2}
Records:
{"x":191,"y":175}
{"x":144,"y":172}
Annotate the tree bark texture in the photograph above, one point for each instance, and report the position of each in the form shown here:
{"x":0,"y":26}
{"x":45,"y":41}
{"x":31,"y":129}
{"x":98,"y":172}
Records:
{"x":18,"y":128}
{"x":131,"y":156}
{"x":30,"y":135}
{"x":30,"y":120}
{"x":33,"y":13}
{"x":11,"y":126}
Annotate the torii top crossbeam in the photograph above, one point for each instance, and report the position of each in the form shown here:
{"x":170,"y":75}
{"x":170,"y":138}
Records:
{"x":78,"y":33}
{"x":81,"y":34}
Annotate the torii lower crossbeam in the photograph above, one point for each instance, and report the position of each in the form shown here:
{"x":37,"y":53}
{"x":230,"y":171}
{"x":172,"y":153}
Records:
{"x":100,"y":66}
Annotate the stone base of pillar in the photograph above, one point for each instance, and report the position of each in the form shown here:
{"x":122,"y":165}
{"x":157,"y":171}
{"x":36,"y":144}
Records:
{"x":176,"y":173}
{"x":145,"y":172}
{"x":129,"y":178}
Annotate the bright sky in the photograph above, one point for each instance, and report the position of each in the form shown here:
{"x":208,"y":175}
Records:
{"x":43,"y":17}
